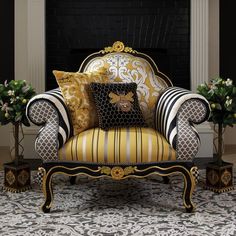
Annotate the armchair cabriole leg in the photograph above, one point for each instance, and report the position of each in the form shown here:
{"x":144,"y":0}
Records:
{"x":47,"y":190}
{"x":189,"y":186}
{"x":189,"y":182}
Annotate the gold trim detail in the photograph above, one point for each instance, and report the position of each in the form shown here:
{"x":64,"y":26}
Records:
{"x":118,"y":46}
{"x":117,"y":172}
{"x":213,"y":177}
{"x":126,"y":49}
{"x":23,"y":177}
{"x":226,"y":177}
{"x":14,"y":190}
{"x":10,"y":177}
{"x":220,"y":190}
{"x":105,"y":170}
{"x":129,"y":170}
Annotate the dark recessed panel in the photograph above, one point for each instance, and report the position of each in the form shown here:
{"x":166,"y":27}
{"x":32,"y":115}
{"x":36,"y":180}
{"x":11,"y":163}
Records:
{"x":160,"y":28}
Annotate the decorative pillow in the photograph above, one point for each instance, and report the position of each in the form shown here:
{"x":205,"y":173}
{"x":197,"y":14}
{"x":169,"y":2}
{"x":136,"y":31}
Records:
{"x":117,"y":105}
{"x":76,"y":92}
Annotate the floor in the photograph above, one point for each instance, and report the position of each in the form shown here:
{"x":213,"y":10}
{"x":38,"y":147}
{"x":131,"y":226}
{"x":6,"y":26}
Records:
{"x":229,"y":155}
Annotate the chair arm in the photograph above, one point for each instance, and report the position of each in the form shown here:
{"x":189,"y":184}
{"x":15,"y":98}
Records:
{"x":176,"y":111}
{"x":49,"y":111}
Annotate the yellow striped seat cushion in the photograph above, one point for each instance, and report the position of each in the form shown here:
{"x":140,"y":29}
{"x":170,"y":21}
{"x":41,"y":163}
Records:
{"x":120,"y":145}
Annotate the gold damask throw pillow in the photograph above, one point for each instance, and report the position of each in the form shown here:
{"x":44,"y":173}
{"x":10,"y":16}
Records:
{"x":76,"y":92}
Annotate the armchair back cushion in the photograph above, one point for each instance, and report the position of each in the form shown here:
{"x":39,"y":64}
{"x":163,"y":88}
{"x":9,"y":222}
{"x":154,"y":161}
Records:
{"x":127,"y":68}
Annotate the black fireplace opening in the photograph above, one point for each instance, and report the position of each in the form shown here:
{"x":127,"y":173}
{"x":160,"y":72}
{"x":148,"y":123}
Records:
{"x":159,"y":28}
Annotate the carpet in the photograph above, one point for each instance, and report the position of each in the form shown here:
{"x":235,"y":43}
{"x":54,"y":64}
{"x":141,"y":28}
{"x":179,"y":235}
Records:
{"x":117,"y":208}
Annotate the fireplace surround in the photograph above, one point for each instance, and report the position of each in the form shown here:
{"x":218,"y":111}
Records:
{"x":159,"y":28}
{"x":30,"y":56}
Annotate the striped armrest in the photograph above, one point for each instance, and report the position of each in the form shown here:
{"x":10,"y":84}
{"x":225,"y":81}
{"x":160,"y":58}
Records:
{"x":49,"y":111}
{"x":176,"y":112}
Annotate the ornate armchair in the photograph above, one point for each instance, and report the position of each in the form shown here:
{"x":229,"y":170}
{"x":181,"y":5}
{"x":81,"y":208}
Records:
{"x":167,"y":145}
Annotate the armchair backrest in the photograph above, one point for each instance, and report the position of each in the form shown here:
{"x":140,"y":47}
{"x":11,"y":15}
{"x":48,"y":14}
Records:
{"x":127,"y":65}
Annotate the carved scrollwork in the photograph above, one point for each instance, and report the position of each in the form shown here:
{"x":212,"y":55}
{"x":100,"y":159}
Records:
{"x":117,"y":172}
{"x":118,"y":46}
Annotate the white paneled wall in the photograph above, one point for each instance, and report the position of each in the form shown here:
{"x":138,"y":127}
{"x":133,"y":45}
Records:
{"x":36,"y":44}
{"x":199,"y":64}
{"x":199,"y":42}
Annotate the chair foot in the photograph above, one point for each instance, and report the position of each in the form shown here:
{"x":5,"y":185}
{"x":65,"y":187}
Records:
{"x":47,"y":190}
{"x":72,"y":180}
{"x":45,"y":209}
{"x":189,"y":209}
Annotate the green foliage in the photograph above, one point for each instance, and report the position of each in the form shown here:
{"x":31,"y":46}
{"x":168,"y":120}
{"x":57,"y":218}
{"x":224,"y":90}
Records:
{"x":14,"y":97}
{"x":221,"y":95}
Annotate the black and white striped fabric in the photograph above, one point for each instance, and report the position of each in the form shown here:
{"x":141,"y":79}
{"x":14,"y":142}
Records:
{"x":176,"y":111}
{"x":49,"y":110}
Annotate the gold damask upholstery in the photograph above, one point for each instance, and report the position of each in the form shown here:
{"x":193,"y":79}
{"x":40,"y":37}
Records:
{"x":76,"y":92}
{"x":124,"y":67}
{"x":120,"y":145}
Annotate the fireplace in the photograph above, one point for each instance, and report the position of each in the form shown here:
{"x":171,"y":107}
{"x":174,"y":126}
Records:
{"x":160,"y":28}
{"x":30,"y":58}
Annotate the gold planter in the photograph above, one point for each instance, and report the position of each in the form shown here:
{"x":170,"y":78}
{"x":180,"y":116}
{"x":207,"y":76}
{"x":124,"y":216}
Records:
{"x":16,"y":177}
{"x":219,"y":178}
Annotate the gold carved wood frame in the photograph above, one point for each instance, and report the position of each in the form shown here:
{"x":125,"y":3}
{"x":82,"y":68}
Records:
{"x":119,"y":47}
{"x":117,"y":172}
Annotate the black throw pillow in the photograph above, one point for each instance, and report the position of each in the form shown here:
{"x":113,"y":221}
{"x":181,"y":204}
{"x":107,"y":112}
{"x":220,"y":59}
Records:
{"x":117,"y":105}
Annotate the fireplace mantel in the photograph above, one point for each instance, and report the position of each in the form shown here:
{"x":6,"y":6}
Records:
{"x":30,"y":50}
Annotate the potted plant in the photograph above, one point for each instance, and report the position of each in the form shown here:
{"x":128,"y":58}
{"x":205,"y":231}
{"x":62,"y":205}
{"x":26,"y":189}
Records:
{"x":14,"y":97}
{"x":221,"y":95}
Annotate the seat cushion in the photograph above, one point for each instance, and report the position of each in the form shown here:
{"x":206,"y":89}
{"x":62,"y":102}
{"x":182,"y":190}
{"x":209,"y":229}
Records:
{"x":120,"y":145}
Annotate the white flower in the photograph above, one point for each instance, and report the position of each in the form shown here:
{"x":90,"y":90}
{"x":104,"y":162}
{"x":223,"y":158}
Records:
{"x":12,"y":100}
{"x":228,"y":102}
{"x":11,"y":92}
{"x":3,"y":106}
{"x":216,"y":81}
{"x":25,"y":89}
{"x":228,"y":82}
{"x":212,"y":88}
{"x":5,"y":83}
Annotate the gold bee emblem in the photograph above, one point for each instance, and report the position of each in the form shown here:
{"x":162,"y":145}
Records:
{"x":122,"y":101}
